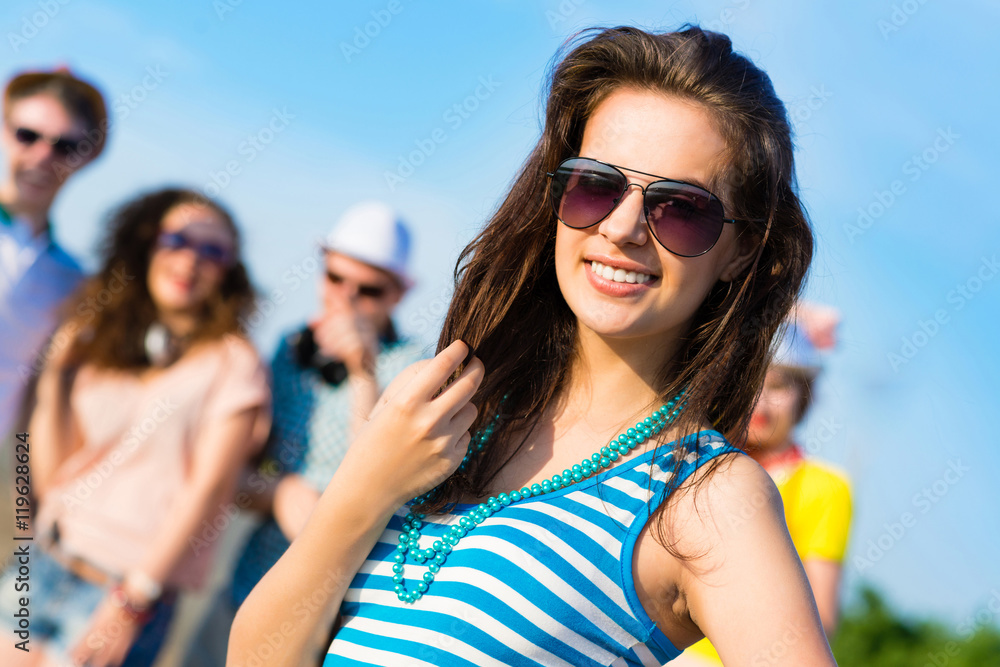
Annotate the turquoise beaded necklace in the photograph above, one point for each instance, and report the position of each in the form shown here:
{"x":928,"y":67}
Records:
{"x":437,"y":554}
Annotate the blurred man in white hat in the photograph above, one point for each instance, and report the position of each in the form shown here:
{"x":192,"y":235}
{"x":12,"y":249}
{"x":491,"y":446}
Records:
{"x":327,"y":377}
{"x":366,"y":274}
{"x":816,"y":495}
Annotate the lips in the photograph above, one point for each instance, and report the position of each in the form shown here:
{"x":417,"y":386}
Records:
{"x":181,"y":284}
{"x":36,"y":179}
{"x":616,"y":289}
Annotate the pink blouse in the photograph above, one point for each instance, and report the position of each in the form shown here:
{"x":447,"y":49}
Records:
{"x":113,"y":494}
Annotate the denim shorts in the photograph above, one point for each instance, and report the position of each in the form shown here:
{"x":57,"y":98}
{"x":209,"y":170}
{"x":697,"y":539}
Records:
{"x":60,"y":605}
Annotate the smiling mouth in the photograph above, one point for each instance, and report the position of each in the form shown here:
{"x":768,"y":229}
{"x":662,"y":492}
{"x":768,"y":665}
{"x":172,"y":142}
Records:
{"x":619,"y":275}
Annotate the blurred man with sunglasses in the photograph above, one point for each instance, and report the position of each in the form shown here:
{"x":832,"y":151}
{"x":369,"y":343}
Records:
{"x":327,"y":376}
{"x":53,"y":124}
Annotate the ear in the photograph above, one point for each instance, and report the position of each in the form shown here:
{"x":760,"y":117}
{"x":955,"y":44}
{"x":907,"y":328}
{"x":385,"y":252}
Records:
{"x":747,"y":245}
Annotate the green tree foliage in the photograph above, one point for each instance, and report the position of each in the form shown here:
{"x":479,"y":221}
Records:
{"x":872,"y":635}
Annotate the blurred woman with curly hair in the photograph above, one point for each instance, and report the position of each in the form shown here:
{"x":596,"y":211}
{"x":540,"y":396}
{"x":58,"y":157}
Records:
{"x":148,"y":406}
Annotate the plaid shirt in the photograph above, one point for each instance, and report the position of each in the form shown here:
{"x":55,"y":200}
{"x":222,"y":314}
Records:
{"x":309,"y":437}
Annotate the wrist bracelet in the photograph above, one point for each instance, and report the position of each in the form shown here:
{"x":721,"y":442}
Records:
{"x":144,"y":585}
{"x":120,"y":599}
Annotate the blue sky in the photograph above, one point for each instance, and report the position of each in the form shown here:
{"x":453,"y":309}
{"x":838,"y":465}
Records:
{"x":893,"y":105}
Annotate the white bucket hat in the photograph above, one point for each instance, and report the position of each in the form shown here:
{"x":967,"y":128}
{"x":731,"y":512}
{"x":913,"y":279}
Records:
{"x":374,"y":233}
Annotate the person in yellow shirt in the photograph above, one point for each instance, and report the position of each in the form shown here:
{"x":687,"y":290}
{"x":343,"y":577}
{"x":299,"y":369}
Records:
{"x":816,"y":495}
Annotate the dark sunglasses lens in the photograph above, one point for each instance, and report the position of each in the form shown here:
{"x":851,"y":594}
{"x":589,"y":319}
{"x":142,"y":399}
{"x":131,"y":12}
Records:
{"x":171,"y":241}
{"x":26,"y":136}
{"x":213,"y":253}
{"x":366,"y":291}
{"x":687,"y":220}
{"x":584,"y":192}
{"x":65,"y":147}
{"x":210,"y":252}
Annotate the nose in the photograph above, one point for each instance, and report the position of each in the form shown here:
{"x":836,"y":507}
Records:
{"x":187,"y":259}
{"x":342,"y":293}
{"x":41,"y":151}
{"x":626,"y":224}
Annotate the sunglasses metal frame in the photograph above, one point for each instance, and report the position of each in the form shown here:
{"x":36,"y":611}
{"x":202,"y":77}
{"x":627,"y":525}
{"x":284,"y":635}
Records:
{"x":642,"y":190}
{"x":61,"y":145}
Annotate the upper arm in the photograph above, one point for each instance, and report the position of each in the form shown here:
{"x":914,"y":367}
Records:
{"x":46,"y":412}
{"x":824,"y":578}
{"x":234,"y":422}
{"x":745,"y":586}
{"x":222,"y":448}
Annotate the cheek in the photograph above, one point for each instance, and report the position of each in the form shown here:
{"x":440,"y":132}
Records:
{"x":784,"y":408}
{"x":565,"y":256}
{"x":210,"y":279}
{"x":687,"y":284}
{"x":155,"y":276}
{"x":18,"y":160}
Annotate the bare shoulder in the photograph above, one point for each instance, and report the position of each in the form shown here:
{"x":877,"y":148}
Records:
{"x":237,"y":349}
{"x":732,"y":494}
{"x":731,"y":572}
{"x":718,"y":513}
{"x":725,"y":513}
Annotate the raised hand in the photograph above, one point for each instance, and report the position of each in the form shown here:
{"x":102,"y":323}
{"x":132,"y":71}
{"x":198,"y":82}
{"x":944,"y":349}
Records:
{"x":419,"y":432}
{"x":342,"y":334}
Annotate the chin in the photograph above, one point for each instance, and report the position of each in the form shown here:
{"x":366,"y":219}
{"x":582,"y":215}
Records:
{"x":763,"y":441}
{"x":173,"y":301}
{"x":759,"y":435}
{"x":611,"y":321}
{"x":37,"y":194}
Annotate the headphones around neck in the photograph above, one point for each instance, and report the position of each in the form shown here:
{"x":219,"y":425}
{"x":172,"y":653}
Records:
{"x":308,"y":355}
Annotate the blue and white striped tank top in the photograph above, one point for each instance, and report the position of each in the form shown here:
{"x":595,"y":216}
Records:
{"x":547,"y":581}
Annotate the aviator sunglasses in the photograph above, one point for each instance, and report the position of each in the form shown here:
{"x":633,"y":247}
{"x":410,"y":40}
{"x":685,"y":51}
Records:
{"x":685,"y":219}
{"x":215,"y":253}
{"x":364,"y":290}
{"x":60,"y":145}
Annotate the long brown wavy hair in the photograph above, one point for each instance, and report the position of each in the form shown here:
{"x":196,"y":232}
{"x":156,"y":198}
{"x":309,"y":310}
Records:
{"x":507,"y":303}
{"x":112,"y":310}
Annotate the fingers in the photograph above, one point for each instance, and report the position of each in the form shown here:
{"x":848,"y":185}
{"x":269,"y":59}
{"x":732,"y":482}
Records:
{"x":436,"y":373}
{"x":458,"y":394}
{"x":403,"y":379}
{"x":464,"y":418}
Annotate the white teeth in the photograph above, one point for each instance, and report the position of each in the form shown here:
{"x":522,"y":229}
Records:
{"x":619,"y":275}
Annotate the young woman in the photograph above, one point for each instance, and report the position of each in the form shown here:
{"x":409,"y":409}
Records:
{"x":145,"y":414}
{"x":620,"y":306}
